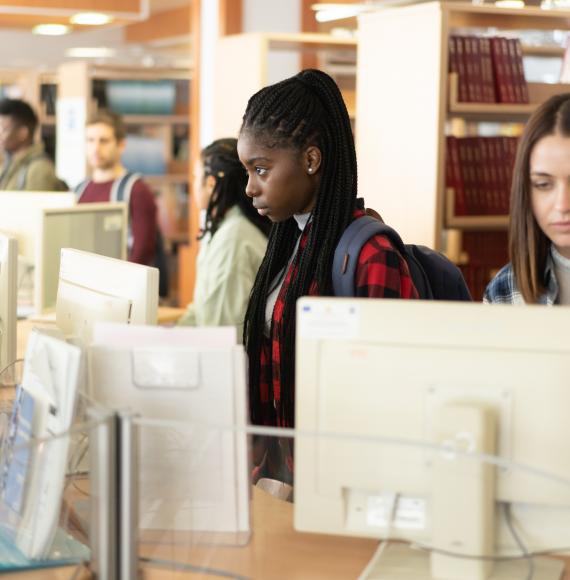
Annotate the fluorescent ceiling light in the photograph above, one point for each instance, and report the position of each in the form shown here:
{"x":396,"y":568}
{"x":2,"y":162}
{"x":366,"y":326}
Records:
{"x":91,"y":18}
{"x":90,"y":52}
{"x":329,"y":12}
{"x":509,"y":3}
{"x":51,"y":29}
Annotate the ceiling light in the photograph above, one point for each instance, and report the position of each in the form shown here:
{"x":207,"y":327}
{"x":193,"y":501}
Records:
{"x":51,"y":29}
{"x":329,"y":12}
{"x":91,"y":18}
{"x":90,"y":52}
{"x":509,"y":3}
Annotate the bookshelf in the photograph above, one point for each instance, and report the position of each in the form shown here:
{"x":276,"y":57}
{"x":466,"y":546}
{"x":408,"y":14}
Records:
{"x":38,"y":89}
{"x":406,"y":101}
{"x":84,"y":87}
{"x":242,"y":68}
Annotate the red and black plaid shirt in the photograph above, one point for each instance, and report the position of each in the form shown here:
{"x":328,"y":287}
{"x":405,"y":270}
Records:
{"x":381,"y":273}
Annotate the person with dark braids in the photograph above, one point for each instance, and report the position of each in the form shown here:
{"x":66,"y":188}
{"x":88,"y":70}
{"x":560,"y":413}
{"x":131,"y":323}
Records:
{"x":297,"y":146}
{"x":233,"y":239}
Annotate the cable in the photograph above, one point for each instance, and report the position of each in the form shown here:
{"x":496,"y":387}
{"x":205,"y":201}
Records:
{"x":520,"y":543}
{"x":181,"y":566}
{"x":391,"y":511}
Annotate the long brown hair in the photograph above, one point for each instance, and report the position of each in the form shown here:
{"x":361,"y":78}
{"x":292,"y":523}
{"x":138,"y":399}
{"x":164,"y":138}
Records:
{"x":528,"y":245}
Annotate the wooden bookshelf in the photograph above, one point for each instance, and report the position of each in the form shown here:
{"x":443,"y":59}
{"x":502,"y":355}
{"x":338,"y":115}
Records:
{"x":538,"y":93}
{"x":405,"y":101}
{"x":471,"y":222}
{"x":232,"y":78}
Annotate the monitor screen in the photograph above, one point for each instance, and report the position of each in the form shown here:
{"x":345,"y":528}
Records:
{"x":8,"y":300}
{"x":394,"y":377}
{"x":94,"y":288}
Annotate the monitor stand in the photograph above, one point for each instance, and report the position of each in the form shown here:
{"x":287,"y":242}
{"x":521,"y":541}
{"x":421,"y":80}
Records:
{"x":463,"y":507}
{"x":400,"y":562}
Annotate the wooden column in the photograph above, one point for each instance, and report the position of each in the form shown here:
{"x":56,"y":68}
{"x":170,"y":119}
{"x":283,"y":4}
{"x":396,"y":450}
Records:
{"x":231,"y":17}
{"x":188,"y":252}
{"x":308,"y":24}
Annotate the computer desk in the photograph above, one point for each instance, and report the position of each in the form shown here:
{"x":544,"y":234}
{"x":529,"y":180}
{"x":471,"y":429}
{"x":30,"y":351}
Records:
{"x":275,"y":552}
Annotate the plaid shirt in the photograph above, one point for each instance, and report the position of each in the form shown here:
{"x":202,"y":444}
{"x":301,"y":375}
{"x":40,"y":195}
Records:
{"x":503,"y":287}
{"x":381,"y":273}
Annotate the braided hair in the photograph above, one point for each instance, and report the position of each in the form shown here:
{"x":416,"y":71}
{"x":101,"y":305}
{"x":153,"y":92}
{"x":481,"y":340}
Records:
{"x":304,"y":110}
{"x":220,"y":159}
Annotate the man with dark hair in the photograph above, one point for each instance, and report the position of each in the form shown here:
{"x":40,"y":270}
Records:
{"x":110,"y":181}
{"x":26,"y":166}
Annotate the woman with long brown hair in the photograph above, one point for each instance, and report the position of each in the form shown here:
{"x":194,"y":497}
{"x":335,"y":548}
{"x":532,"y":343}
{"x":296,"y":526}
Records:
{"x":539,"y":231}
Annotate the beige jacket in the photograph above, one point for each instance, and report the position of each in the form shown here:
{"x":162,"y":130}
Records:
{"x":30,"y":170}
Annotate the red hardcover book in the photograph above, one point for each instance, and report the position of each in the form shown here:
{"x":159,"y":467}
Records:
{"x":509,"y":71}
{"x":462,"y":90}
{"x":515,"y":72}
{"x":454,"y":175}
{"x":466,"y":164}
{"x":487,"y":70}
{"x":520,"y":66}
{"x":499,"y":70}
{"x":477,"y":69}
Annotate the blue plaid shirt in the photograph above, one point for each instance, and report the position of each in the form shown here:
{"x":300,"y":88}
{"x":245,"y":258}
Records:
{"x":503,"y":288}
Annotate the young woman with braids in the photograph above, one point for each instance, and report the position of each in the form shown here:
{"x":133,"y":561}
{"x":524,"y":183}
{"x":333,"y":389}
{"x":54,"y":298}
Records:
{"x":233,"y":239}
{"x":297,"y":146}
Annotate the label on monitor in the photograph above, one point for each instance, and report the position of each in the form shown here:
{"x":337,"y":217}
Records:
{"x":403,"y":513}
{"x":112,"y":223}
{"x":327,"y":319}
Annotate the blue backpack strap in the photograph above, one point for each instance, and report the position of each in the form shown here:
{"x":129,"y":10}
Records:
{"x":350,"y":245}
{"x":80,"y":188}
{"x":123,"y":186}
{"x":348,"y":249}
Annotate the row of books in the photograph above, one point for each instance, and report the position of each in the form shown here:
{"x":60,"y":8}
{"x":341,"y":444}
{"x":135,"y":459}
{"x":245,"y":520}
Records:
{"x":489,"y":69}
{"x":486,"y":252}
{"x":479,"y":170}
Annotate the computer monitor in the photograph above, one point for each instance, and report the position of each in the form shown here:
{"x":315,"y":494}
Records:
{"x":100,"y":228}
{"x":471,"y":377}
{"x":43,"y":223}
{"x":94,"y":288}
{"x":182,"y":383}
{"x":8,"y":294}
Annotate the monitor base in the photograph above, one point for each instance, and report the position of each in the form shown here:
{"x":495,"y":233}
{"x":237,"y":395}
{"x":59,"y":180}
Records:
{"x":400,"y":562}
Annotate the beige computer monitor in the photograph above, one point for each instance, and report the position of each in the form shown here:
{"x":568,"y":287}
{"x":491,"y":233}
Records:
{"x":8,"y":301}
{"x":94,"y":288}
{"x":395,"y":375}
{"x":43,"y":223}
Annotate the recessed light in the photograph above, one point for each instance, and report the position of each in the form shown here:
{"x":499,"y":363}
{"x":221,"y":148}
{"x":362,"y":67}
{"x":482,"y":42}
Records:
{"x":90,"y":52}
{"x":91,"y":18}
{"x":509,"y":3}
{"x":51,"y":29}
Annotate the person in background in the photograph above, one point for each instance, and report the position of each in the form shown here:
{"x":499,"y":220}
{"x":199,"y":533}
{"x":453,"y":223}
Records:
{"x":233,"y":239}
{"x":106,"y":141}
{"x":297,"y":145}
{"x":26,"y":166}
{"x":539,"y":230}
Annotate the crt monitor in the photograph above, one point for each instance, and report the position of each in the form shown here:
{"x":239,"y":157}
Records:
{"x":19,"y":219}
{"x":94,"y":288}
{"x":471,"y":377}
{"x":8,"y":300}
{"x":100,"y":228}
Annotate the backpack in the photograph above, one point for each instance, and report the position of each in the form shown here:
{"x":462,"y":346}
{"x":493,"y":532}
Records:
{"x":121,"y":191}
{"x":435,"y":277}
